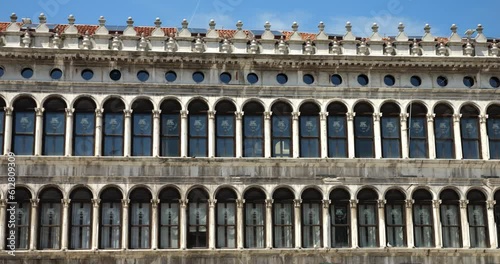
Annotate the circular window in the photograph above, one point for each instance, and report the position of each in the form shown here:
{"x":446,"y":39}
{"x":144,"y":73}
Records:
{"x":308,"y":79}
{"x":363,"y":79}
{"x":252,"y":78}
{"x":198,"y":77}
{"x":389,"y":80}
{"x":2,"y":71}
{"x":494,"y":82}
{"x":468,"y":81}
{"x":225,"y":77}
{"x":415,"y":81}
{"x":336,"y":79}
{"x":87,"y":74}
{"x":281,"y":78}
{"x":170,"y":76}
{"x":115,"y":75}
{"x":56,"y":74}
{"x":442,"y":81}
{"x":142,"y":76}
{"x":27,"y":73}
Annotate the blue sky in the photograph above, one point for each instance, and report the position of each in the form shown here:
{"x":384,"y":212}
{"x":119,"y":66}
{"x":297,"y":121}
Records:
{"x":254,"y":13}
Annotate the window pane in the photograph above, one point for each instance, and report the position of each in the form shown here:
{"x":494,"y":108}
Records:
{"x":423,"y":225}
{"x":169,"y":225}
{"x":281,"y":126}
{"x":139,"y":225}
{"x":283,"y":225}
{"x":53,"y":140}
{"x":311,"y":225}
{"x":470,"y":138}
{"x":198,"y":125}
{"x":367,"y":225}
{"x":197,"y":225}
{"x":22,"y":229}
{"x":364,"y":136}
{"x":450,"y":220}
{"x":281,"y":148}
{"x":83,"y":137}
{"x":113,"y":134}
{"x":24,"y":128}
{"x":391,"y":137}
{"x":477,"y":226}
{"x":444,"y":138}
{"x":494,"y":137}
{"x":110,"y":225}
{"x":309,"y":136}
{"x":226,"y":225}
{"x":417,"y":137}
{"x":50,"y":224}
{"x":339,"y":214}
{"x":1,"y":128}
{"x":337,"y":137}
{"x":80,"y":225}
{"x":253,"y":136}
{"x":394,"y":214}
{"x":254,"y":225}
{"x":170,"y":125}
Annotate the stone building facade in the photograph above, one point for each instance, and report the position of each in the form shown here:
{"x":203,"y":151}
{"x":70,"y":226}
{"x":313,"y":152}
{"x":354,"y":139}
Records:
{"x":180,"y":145}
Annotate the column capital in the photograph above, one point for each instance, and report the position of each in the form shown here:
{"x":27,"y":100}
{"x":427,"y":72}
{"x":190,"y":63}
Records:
{"x":377,"y":116}
{"x":381,"y":203}
{"x":125,"y":203}
{"x":156,"y":113}
{"x":350,"y":116}
{"x":211,"y":114}
{"x":464,"y":203}
{"x":297,"y":203}
{"x":65,"y":202}
{"x":99,"y":112}
{"x":456,"y":117}
{"x":184,"y":114}
{"x":409,"y":203}
{"x":490,"y":204}
{"x":39,"y":111}
{"x":212,"y":203}
{"x":240,"y":203}
{"x":34,"y":202}
{"x":323,"y":115}
{"x":183,"y":203}
{"x":128,"y":112}
{"x":353,"y":203}
{"x":96,"y":202}
{"x":295,"y":115}
{"x":69,"y":111}
{"x":154,"y":203}
{"x":326,"y":204}
{"x":483,"y":119}
{"x":430,"y":117}
{"x":267,"y":115}
{"x":269,"y":203}
{"x":436,"y":203}
{"x":8,"y":110}
{"x":238,"y":115}
{"x":403,"y":117}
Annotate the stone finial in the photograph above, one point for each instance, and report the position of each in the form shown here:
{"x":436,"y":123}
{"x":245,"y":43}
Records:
{"x":375,"y":35}
{"x":102,"y":21}
{"x":267,"y":35}
{"x":198,"y":44}
{"x":295,"y":35}
{"x":282,"y":47}
{"x":267,"y":26}
{"x":143,"y":43}
{"x":428,"y":37}
{"x":240,"y":34}
{"x":363,"y":49}
{"x":42,"y":26}
{"x":308,"y":48}
{"x":254,"y":46}
{"x":86,"y":41}
{"x":26,"y":40}
{"x":71,"y":20}
{"x":71,"y":29}
{"x":469,"y":50}
{"x":226,"y":46}
{"x":157,"y":32}
{"x":185,"y":23}
{"x":321,"y":35}
{"x":480,"y":37}
{"x":13,"y":26}
{"x":171,"y":46}
{"x":321,"y":26}
{"x":295,"y":26}
{"x":157,"y":22}
{"x":494,"y":49}
{"x":56,"y":41}
{"x":130,"y":31}
{"x":415,"y":48}
{"x":239,"y":25}
{"x":42,"y":18}
{"x":101,"y":30}
{"x":212,"y":24}
{"x":454,"y":36}
{"x":212,"y":33}
{"x":389,"y":49}
{"x":116,"y":43}
{"x":13,"y":18}
{"x":130,"y":22}
{"x":184,"y":33}
{"x":348,"y":35}
{"x":401,"y":35}
{"x":335,"y":47}
{"x":442,"y":50}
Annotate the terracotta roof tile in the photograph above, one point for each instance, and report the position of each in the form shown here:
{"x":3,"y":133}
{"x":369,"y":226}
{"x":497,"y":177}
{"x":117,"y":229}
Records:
{"x":304,"y":36}
{"x":82,"y":29}
{"x":149,"y":30}
{"x":229,"y":33}
{"x":3,"y":26}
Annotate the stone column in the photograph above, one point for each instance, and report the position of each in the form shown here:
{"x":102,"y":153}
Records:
{"x":125,"y":203}
{"x":65,"y":223}
{"x":7,"y":141}
{"x":267,"y":134}
{"x":269,"y":223}
{"x":405,"y":149}
{"x":240,"y":222}
{"x":156,"y":133}
{"x":38,"y":131}
{"x":381,"y":223}
{"x":298,"y":223}
{"x":483,"y":133}
{"x":295,"y":135}
{"x":182,"y":223}
{"x":98,"y":132}
{"x":354,"y":223}
{"x":68,"y":140}
{"x":436,"y":204}
{"x":377,"y":137}
{"x":490,"y":206}
{"x":409,"y":223}
{"x":34,"y":224}
{"x":3,"y":229}
{"x":239,"y":134}
{"x":464,"y":223}
{"x":326,"y":224}
{"x":350,"y":136}
{"x":430,"y":136}
{"x":211,"y":223}
{"x":323,"y":123}
{"x":154,"y":223}
{"x":458,"y":137}
{"x":127,"y":136}
{"x":184,"y":133}
{"x":95,"y":223}
{"x":211,"y":134}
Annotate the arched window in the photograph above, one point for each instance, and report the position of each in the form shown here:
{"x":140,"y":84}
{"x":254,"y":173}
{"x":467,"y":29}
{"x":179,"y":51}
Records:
{"x":423,"y":223}
{"x":2,"y":122}
{"x":395,"y":218}
{"x":281,"y":130}
{"x":170,"y":129}
{"x":255,"y":218}
{"x":197,"y":222}
{"x":340,"y":218}
{"x":494,"y":131}
{"x":478,"y":219}
{"x":283,"y":218}
{"x":469,"y":128}
{"x":417,"y":131}
{"x":49,"y":229}
{"x":225,"y":129}
{"x":198,"y":129}
{"x":226,"y":218}
{"x":363,"y":131}
{"x":23,"y":212}
{"x":309,"y":131}
{"x":391,"y":131}
{"x":84,"y":127}
{"x":253,"y":130}
{"x":169,"y":218}
{"x":450,"y":219}
{"x":54,"y":127}
{"x":113,"y":128}
{"x":312,"y":235}
{"x":80,"y":231}
{"x":497,"y":214}
{"x":140,"y":219}
{"x":337,"y":130}
{"x":367,"y":218}
{"x":443,"y":131}
{"x":111,"y":219}
{"x":142,"y":128}
{"x":23,"y":134}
